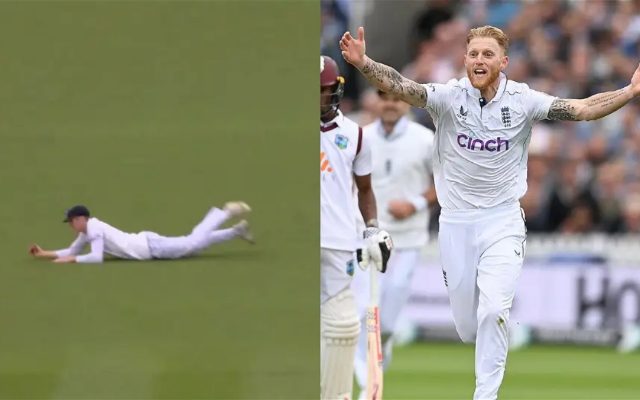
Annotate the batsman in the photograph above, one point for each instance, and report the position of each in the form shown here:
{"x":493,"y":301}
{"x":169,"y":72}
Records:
{"x":345,"y":163}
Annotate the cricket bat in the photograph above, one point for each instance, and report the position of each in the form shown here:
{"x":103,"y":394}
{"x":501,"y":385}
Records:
{"x":374,"y":345}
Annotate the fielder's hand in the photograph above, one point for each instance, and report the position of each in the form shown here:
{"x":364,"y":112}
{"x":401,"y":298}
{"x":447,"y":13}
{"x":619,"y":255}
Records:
{"x":378,"y":246}
{"x":35,"y":250}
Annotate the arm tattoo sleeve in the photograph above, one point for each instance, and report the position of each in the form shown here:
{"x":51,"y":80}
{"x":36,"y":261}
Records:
{"x":562,"y":110}
{"x":390,"y":81}
{"x":594,"y":107}
{"x":604,"y":100}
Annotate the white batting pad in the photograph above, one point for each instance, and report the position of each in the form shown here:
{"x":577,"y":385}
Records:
{"x":339,"y":334}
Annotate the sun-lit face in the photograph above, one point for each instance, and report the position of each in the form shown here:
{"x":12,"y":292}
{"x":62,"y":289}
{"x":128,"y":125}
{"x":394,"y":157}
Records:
{"x":484,"y":60}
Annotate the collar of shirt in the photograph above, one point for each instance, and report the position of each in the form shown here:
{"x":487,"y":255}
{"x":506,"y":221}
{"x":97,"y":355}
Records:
{"x":398,"y":129}
{"x":334,"y":123}
{"x":475,"y":93}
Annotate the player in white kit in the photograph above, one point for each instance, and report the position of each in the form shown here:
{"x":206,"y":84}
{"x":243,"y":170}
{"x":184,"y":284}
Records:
{"x":401,"y":178}
{"x":345,"y":161}
{"x":105,"y":239}
{"x":483,"y":127}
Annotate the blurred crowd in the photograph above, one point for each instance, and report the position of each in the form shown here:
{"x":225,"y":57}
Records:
{"x":583,"y":176}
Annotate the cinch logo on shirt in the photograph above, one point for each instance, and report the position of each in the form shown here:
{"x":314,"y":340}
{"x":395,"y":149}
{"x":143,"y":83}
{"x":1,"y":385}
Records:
{"x":325,"y":166}
{"x":491,"y":145}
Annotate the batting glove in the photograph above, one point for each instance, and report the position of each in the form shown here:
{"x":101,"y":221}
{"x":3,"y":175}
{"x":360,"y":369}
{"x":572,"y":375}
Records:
{"x":377,"y":250}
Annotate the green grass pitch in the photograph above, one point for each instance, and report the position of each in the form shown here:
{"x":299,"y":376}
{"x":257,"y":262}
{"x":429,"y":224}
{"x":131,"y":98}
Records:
{"x":440,"y":371}
{"x":150,"y":113}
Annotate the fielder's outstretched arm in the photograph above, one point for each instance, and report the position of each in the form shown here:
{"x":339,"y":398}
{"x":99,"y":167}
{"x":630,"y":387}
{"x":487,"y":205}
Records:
{"x":597,"y":106}
{"x":379,"y":75}
{"x":39,"y":252}
{"x":75,"y":248}
{"x":95,"y":256}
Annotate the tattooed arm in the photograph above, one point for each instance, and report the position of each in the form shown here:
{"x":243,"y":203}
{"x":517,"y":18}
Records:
{"x":594,"y":107}
{"x":390,"y":81}
{"x":379,"y":75}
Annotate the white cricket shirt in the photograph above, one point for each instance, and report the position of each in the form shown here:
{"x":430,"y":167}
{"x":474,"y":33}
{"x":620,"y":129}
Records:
{"x":401,"y":171}
{"x":104,"y":238}
{"x":480,"y":157}
{"x":338,"y":164}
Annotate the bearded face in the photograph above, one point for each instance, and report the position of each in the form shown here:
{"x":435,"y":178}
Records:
{"x":484,"y":60}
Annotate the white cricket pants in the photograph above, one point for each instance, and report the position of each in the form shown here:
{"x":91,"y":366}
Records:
{"x":336,"y":271}
{"x":394,"y":287}
{"x":339,"y":324}
{"x":482,"y":251}
{"x":204,"y":234}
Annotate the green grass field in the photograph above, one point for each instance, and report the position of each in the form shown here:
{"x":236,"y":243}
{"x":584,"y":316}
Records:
{"x":150,"y":113}
{"x":445,"y":371}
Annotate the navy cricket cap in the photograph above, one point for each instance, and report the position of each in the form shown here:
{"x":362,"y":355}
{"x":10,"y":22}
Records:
{"x":76,"y":211}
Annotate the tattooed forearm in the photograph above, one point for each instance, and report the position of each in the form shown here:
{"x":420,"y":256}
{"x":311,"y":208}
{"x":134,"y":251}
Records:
{"x":594,"y":107}
{"x":606,"y":99}
{"x":389,"y":80}
{"x":563,"y":110}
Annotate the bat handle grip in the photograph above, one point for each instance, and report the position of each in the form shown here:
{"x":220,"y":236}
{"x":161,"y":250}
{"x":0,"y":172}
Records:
{"x":373,"y":287}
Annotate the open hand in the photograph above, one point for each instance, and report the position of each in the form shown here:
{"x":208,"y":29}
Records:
{"x":353,"y":50}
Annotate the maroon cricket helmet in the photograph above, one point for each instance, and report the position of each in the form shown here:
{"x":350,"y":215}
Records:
{"x":330,"y":77}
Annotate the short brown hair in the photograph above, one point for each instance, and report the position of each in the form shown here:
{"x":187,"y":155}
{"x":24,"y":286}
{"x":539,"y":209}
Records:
{"x":492,"y":32}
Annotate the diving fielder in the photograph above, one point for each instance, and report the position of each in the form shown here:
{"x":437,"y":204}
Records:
{"x":483,"y":127}
{"x":345,"y":160}
{"x":106,"y":239}
{"x":401,"y":179}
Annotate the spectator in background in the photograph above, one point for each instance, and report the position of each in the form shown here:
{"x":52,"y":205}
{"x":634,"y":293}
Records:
{"x":568,"y":189}
{"x":438,"y":50}
{"x":334,"y":16}
{"x":535,"y":202}
{"x":609,"y":191}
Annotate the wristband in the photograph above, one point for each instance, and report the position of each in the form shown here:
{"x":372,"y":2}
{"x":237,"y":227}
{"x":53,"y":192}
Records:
{"x":372,"y":223}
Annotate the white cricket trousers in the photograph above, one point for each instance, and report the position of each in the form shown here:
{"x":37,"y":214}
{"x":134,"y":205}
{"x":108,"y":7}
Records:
{"x":481,"y":252}
{"x":204,"y":234}
{"x":339,"y":324}
{"x":394,"y":287}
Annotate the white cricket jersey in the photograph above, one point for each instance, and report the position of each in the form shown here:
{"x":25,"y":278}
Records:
{"x":104,"y":238}
{"x":401,"y":171}
{"x":480,"y":157}
{"x":339,"y":161}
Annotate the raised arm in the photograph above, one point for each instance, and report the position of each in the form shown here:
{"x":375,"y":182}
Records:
{"x":379,"y":75}
{"x":597,"y":106}
{"x":594,"y":107}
